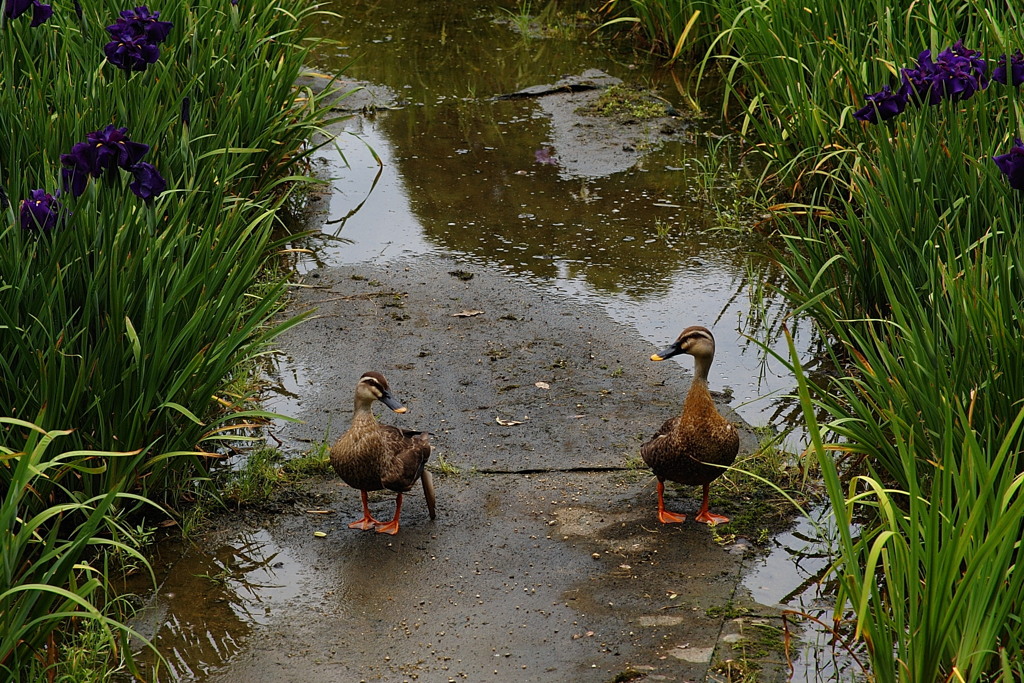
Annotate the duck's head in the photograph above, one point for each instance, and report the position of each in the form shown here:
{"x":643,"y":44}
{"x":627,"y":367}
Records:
{"x":373,"y":387}
{"x":696,"y":341}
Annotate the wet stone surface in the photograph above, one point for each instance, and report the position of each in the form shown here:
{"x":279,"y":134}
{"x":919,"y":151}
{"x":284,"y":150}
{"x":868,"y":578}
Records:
{"x":468,"y":350}
{"x":546,"y":561}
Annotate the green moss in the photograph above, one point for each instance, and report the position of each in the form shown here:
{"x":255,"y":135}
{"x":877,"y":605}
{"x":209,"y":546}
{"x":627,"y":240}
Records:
{"x":623,"y":102}
{"x":761,"y":650}
{"x":726,"y":611}
{"x":761,"y":641}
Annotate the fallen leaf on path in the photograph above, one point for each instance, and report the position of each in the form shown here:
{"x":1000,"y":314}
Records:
{"x":320,"y":512}
{"x":507,"y":423}
{"x":320,"y":534}
{"x":468,"y":313}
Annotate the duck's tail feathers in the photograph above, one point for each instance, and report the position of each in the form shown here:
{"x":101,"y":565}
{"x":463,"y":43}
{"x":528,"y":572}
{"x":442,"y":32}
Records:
{"x":428,"y":492}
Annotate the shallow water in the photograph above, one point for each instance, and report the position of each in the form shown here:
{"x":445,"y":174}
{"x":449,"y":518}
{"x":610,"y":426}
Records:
{"x":462,"y":174}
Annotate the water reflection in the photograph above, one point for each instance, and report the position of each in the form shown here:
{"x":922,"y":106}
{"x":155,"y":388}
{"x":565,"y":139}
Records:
{"x":633,"y":244}
{"x":461,"y":176}
{"x":439,"y":52}
{"x":212,"y":599}
{"x":793,"y":577}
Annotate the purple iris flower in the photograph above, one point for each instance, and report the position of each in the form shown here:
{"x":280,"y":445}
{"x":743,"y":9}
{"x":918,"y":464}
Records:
{"x":1012,"y":76}
{"x":957,"y":74}
{"x":882,"y":105}
{"x":40,"y":12}
{"x":141,"y":20}
{"x":962,"y":72}
{"x":40,"y":211}
{"x":103,"y":150}
{"x":78,"y":165}
{"x":1012,"y":164}
{"x":148,"y":182}
{"x":919,"y":83}
{"x":131,"y":52}
{"x":137,"y":35}
{"x":114,"y":149}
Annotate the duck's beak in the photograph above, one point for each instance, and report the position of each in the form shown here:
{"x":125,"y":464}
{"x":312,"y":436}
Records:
{"x":393,"y":403}
{"x":668,"y":352}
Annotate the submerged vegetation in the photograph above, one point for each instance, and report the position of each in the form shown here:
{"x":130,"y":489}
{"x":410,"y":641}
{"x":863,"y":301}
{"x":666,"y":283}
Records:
{"x":895,"y":130}
{"x":143,"y":157}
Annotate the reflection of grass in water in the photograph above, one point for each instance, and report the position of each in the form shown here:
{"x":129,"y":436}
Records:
{"x":548,"y":22}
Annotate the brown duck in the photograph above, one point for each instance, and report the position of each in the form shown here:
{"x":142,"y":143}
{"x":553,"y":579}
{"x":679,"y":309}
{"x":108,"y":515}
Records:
{"x":371,"y":456}
{"x":688,"y":447}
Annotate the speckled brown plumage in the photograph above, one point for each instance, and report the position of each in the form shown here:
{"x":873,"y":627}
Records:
{"x":688,"y":447}
{"x":371,"y":456}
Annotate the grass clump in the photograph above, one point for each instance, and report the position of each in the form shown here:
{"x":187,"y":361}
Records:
{"x":256,"y":478}
{"x":55,"y":557}
{"x":266,"y":470}
{"x":445,"y":467}
{"x":761,"y":492}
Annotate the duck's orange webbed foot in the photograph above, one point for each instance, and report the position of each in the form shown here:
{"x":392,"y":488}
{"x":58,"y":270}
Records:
{"x":392,"y":526}
{"x":367,"y":521}
{"x":664,"y":516}
{"x":388,"y":527}
{"x":710,"y":518}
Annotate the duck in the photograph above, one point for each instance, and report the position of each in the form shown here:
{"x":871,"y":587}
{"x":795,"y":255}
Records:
{"x":371,"y":456}
{"x":697,"y":445}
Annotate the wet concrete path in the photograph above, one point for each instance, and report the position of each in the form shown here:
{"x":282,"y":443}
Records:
{"x":546,"y":562}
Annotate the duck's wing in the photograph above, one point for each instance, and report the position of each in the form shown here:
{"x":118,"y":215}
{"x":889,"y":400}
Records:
{"x":408,"y":453}
{"x":657,"y":449}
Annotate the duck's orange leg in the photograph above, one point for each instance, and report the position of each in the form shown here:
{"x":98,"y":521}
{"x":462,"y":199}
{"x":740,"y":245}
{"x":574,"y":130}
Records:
{"x":392,"y":526}
{"x":709,"y":518}
{"x":367,"y":522}
{"x":664,"y":516}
